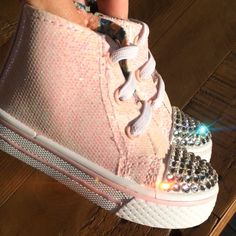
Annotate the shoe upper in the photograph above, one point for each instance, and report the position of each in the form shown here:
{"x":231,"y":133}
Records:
{"x":59,"y":81}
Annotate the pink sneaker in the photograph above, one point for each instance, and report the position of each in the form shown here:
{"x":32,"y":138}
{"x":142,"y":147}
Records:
{"x":58,"y":113}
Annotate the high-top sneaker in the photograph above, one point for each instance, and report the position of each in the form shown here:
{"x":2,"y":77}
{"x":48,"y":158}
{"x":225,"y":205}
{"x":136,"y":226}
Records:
{"x":60,"y":112}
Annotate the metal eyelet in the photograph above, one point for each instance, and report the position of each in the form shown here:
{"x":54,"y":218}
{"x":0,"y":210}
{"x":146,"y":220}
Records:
{"x":137,"y":75}
{"x":136,"y":39}
{"x":128,"y":133}
{"x":107,"y":57}
{"x":117,"y":96}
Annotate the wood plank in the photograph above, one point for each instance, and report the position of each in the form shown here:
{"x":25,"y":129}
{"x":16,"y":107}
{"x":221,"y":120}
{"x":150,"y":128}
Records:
{"x":216,"y":105}
{"x":42,"y":206}
{"x":4,"y":52}
{"x":204,"y":229}
{"x":159,"y":15}
{"x":194,"y":46}
{"x":12,"y":175}
{"x":8,"y":18}
{"x":224,"y":220}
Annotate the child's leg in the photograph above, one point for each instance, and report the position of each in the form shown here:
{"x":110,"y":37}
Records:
{"x":114,"y":8}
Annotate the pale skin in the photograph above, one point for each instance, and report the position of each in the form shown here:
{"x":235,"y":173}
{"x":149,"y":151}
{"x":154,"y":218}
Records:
{"x":66,"y":9}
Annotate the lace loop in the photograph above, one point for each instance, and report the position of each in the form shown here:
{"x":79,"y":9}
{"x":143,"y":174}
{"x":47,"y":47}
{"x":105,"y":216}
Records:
{"x":124,"y":53}
{"x":148,"y":68}
{"x":143,"y":73}
{"x":157,"y":102}
{"x":143,"y":121}
{"x":127,"y":91}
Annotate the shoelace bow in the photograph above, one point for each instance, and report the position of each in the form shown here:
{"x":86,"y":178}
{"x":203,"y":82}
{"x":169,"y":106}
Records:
{"x":145,"y":72}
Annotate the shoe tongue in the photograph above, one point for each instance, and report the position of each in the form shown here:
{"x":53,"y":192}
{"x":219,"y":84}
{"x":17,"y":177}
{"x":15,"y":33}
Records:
{"x":131,"y":31}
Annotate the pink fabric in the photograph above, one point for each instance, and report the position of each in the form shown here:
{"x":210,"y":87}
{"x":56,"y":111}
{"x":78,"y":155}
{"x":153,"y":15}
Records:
{"x":58,"y":82}
{"x":53,"y":86}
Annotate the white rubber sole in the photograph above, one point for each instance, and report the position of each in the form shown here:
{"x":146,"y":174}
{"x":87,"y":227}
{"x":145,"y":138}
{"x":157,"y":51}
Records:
{"x":127,"y":199}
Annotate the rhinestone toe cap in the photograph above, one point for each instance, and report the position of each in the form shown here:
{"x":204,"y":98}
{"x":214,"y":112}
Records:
{"x":187,"y":131}
{"x":188,"y":173}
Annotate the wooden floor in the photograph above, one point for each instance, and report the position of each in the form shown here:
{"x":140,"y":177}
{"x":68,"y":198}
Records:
{"x":194,"y":42}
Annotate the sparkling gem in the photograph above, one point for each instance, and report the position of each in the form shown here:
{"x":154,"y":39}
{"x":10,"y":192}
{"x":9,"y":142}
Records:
{"x":177,"y":127}
{"x":211,"y":170}
{"x":177,"y":141}
{"x":184,"y":129}
{"x":189,"y":172}
{"x":170,"y":177}
{"x":176,"y":187}
{"x":198,"y":143}
{"x":208,"y":185}
{"x":173,"y":170}
{"x":202,"y":176}
{"x":176,"y":158}
{"x":195,"y":178}
{"x":181,"y":165}
{"x":202,"y":187}
{"x":176,"y":133}
{"x":203,"y":162}
{"x":207,"y":175}
{"x":181,"y":170}
{"x":189,"y":166}
{"x":184,"y":142}
{"x":191,"y":128}
{"x":194,"y":188}
{"x":178,"y":121}
{"x":187,"y":178}
{"x":165,"y":186}
{"x":197,"y":171}
{"x":202,"y":130}
{"x":185,"y":188}
{"x":173,"y":163}
{"x":190,"y":142}
{"x":212,"y":183}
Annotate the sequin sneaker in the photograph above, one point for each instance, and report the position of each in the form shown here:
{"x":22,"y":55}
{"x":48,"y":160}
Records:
{"x":60,"y":112}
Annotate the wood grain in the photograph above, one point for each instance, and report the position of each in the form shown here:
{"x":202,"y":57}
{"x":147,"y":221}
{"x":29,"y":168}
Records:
{"x":13,"y":175}
{"x":224,"y":220}
{"x":192,"y":48}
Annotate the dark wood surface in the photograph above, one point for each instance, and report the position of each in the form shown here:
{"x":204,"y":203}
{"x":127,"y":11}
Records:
{"x":194,"y":42}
